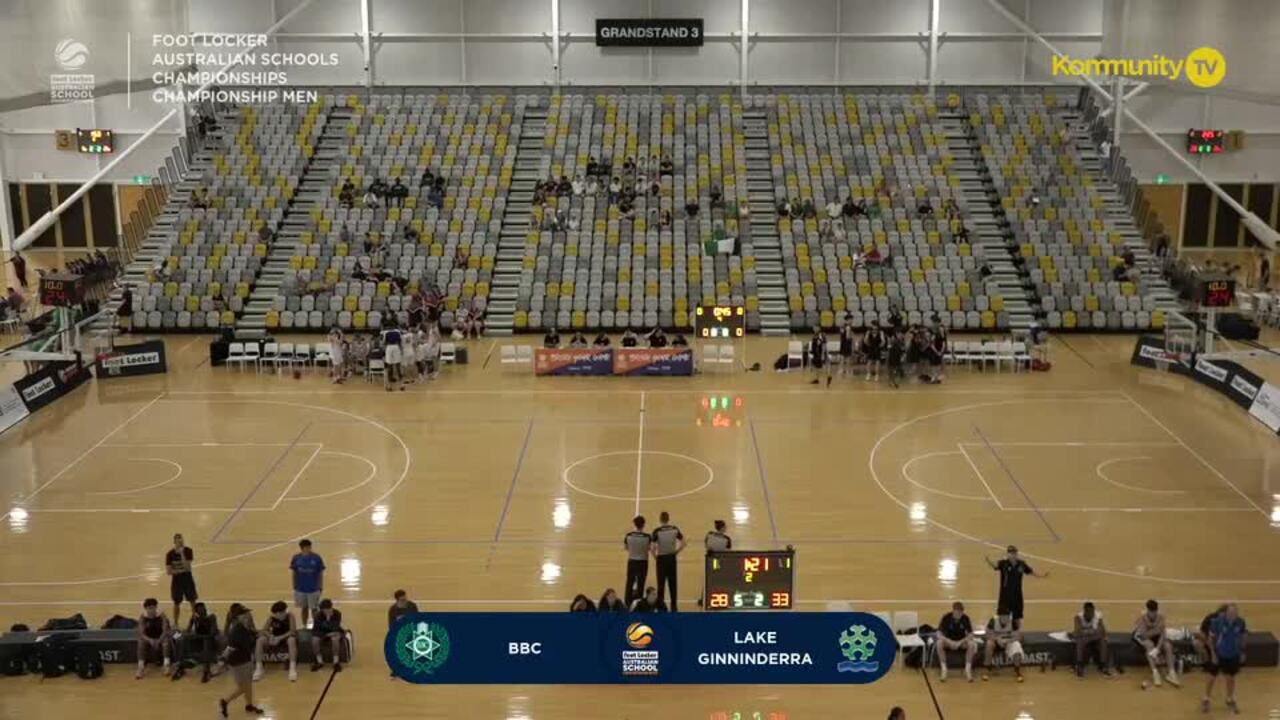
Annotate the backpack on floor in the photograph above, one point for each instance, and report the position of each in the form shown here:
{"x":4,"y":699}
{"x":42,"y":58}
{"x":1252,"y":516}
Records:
{"x":57,"y":655}
{"x":75,"y":622}
{"x":88,"y":663}
{"x":120,"y":622}
{"x":15,"y":664}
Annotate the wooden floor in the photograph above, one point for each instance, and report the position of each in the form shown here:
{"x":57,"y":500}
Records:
{"x":491,"y":489}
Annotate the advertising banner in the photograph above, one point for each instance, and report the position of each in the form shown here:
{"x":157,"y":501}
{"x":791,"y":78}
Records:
{"x":146,"y":358}
{"x":1266,"y":406}
{"x":573,"y":361}
{"x":653,"y":361}
{"x":12,"y":409}
{"x":840,"y":648}
{"x":49,"y":383}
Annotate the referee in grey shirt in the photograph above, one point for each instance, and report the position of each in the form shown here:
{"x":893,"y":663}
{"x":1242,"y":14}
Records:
{"x":668,"y":541}
{"x":637,"y":542}
{"x":717,"y":540}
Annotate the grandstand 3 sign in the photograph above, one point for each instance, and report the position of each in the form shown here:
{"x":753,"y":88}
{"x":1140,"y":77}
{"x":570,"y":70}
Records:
{"x":641,"y":32}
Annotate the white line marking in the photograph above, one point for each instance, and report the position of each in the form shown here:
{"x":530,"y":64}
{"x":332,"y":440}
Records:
{"x":373,"y":471}
{"x":942,"y":453}
{"x":1074,"y":444}
{"x":875,"y":477}
{"x":978,"y":472}
{"x":148,"y":487}
{"x":143,"y":510}
{"x":564,"y":475}
{"x":1098,"y":471}
{"x":95,"y":446}
{"x":1129,"y":509}
{"x":408,"y":463}
{"x":640,"y":453}
{"x":1104,"y":395}
{"x":1196,"y":455}
{"x":296,"y":476}
{"x":214,"y":444}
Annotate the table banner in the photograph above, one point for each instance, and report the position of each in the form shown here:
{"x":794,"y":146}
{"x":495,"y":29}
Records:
{"x":845,"y":648}
{"x":573,"y":361}
{"x":653,"y":361}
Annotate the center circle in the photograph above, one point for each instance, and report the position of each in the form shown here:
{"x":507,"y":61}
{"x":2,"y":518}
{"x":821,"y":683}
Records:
{"x":605,"y":496}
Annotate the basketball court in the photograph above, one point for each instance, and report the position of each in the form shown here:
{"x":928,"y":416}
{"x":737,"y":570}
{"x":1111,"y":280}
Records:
{"x":491,"y":489}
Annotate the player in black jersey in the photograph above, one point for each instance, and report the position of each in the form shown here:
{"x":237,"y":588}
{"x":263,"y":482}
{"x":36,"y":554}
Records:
{"x":281,"y":629}
{"x":200,"y":642}
{"x":155,"y":636}
{"x":873,"y":350}
{"x":182,"y":585}
{"x":327,"y":627}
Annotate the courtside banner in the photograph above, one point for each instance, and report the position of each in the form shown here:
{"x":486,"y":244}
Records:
{"x":146,"y":358}
{"x":1266,"y":406}
{"x":653,"y":361}
{"x":573,"y":361}
{"x":12,"y":409}
{"x":650,"y":648}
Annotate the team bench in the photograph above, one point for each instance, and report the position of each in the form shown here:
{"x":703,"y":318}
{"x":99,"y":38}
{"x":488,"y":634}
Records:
{"x":1052,"y":649}
{"x":121,"y":646}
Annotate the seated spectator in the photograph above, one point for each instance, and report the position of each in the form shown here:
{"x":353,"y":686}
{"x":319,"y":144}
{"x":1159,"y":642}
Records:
{"x":679,"y":341}
{"x":1090,"y":636}
{"x":628,"y":165}
{"x":925,"y":208}
{"x":578,"y":340}
{"x":401,"y":607}
{"x":784,"y":208}
{"x":347,"y":195}
{"x":601,"y":340}
{"x":717,"y":197}
{"x":581,"y":603}
{"x":664,"y":220}
{"x":951,"y":209}
{"x":691,"y":209}
{"x":398,"y":192}
{"x":833,"y":209}
{"x":592,"y":166}
{"x":327,"y":628}
{"x":281,"y":629}
{"x":370,"y":200}
{"x":564,"y":187}
{"x":1149,"y":631}
{"x":610,"y":602}
{"x":579,"y":186}
{"x":378,"y":187}
{"x":657,"y":338}
{"x":155,"y":636}
{"x":200,"y":642}
{"x":1003,"y":633}
{"x":593,"y":186}
{"x":630,"y":339}
{"x":615,"y":189}
{"x":551,"y":339}
{"x":428,"y":179}
{"x":955,"y":632}
{"x":807,"y":210}
{"x":666,"y":167}
{"x":649,"y":602}
{"x":200,"y":199}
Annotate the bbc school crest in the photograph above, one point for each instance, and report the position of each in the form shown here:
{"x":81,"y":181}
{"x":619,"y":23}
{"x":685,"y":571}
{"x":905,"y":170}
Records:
{"x":421,"y":648}
{"x":858,"y":645}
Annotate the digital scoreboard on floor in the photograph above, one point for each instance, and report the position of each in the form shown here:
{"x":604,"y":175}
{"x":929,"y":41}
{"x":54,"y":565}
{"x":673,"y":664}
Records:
{"x":720,"y":321}
{"x":750,"y":580}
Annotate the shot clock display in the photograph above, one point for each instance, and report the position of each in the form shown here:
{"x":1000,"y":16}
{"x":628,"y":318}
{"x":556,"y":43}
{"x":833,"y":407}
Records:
{"x":720,"y":321}
{"x":1217,"y":292}
{"x":61,"y":290}
{"x":750,"y":580}
{"x":1205,"y":142}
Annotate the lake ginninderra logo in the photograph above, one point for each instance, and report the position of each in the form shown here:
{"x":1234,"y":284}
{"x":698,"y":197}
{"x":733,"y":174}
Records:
{"x":1203,"y":67}
{"x":858,"y":645}
{"x":422,"y":648}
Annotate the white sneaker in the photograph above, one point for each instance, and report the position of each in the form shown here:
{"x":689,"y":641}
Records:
{"x":258,"y":673}
{"x":1172,"y":679}
{"x":293,"y":673}
{"x":942,"y":674}
{"x":1155,"y":678}
{"x":968,"y":674}
{"x":142,"y":669}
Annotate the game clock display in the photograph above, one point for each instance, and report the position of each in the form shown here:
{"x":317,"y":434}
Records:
{"x":720,"y":321}
{"x":1218,"y":293}
{"x":1205,"y":142}
{"x":750,"y":580}
{"x":60,"y":290}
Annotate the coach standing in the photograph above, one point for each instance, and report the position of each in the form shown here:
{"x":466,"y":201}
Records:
{"x":638,"y":543}
{"x":668,"y":541}
{"x":1011,"y":569}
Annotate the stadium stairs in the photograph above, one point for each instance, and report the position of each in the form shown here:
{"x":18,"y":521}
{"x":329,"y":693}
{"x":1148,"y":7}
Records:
{"x":314,"y":185}
{"x":986,"y":217}
{"x":775,"y":315}
{"x":509,"y":264}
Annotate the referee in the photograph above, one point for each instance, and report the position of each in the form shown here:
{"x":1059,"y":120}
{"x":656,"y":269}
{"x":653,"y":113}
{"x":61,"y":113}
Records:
{"x":637,"y":542}
{"x":717,"y":540}
{"x":668,"y":541}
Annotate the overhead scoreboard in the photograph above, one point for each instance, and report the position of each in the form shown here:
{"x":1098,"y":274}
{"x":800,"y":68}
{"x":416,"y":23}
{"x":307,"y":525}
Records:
{"x":750,"y":580}
{"x":720,"y":321}
{"x":95,"y":141}
{"x":1205,"y":142}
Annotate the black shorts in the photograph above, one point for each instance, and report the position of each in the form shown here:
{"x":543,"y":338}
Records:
{"x":1226,"y":666}
{"x":183,"y":587}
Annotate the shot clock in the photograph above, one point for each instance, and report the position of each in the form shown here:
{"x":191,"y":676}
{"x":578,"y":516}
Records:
{"x":1217,"y":292}
{"x":720,"y":321}
{"x":750,"y":580}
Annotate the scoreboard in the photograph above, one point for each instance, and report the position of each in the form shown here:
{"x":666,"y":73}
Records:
{"x":1217,"y":292}
{"x":1205,"y":142}
{"x":720,"y":321}
{"x":95,"y":141}
{"x":750,"y":580}
{"x":61,"y":290}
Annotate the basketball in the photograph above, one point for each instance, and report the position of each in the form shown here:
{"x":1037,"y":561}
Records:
{"x":639,"y":635}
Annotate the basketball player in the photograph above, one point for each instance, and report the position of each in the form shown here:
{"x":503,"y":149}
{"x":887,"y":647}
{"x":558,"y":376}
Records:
{"x":182,"y":586}
{"x":420,"y":353}
{"x":638,"y":543}
{"x":1003,"y":632}
{"x":1149,"y":632}
{"x":1011,"y":569}
{"x":327,"y":628}
{"x":408,"y":361}
{"x":1201,"y":642}
{"x":308,"y":579}
{"x":668,"y":542}
{"x":393,"y":356}
{"x":818,"y":356}
{"x":717,"y":540}
{"x":846,"y":346}
{"x":337,"y":371}
{"x":1227,"y":635}
{"x":872,"y":348}
{"x":154,"y":634}
{"x":1090,"y":634}
{"x":238,"y":657}
{"x":955,"y":632}
{"x":281,"y":629}
{"x":201,"y":638}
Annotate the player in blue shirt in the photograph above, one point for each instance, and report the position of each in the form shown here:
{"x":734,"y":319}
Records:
{"x":1226,"y":649}
{"x":308,"y":579}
